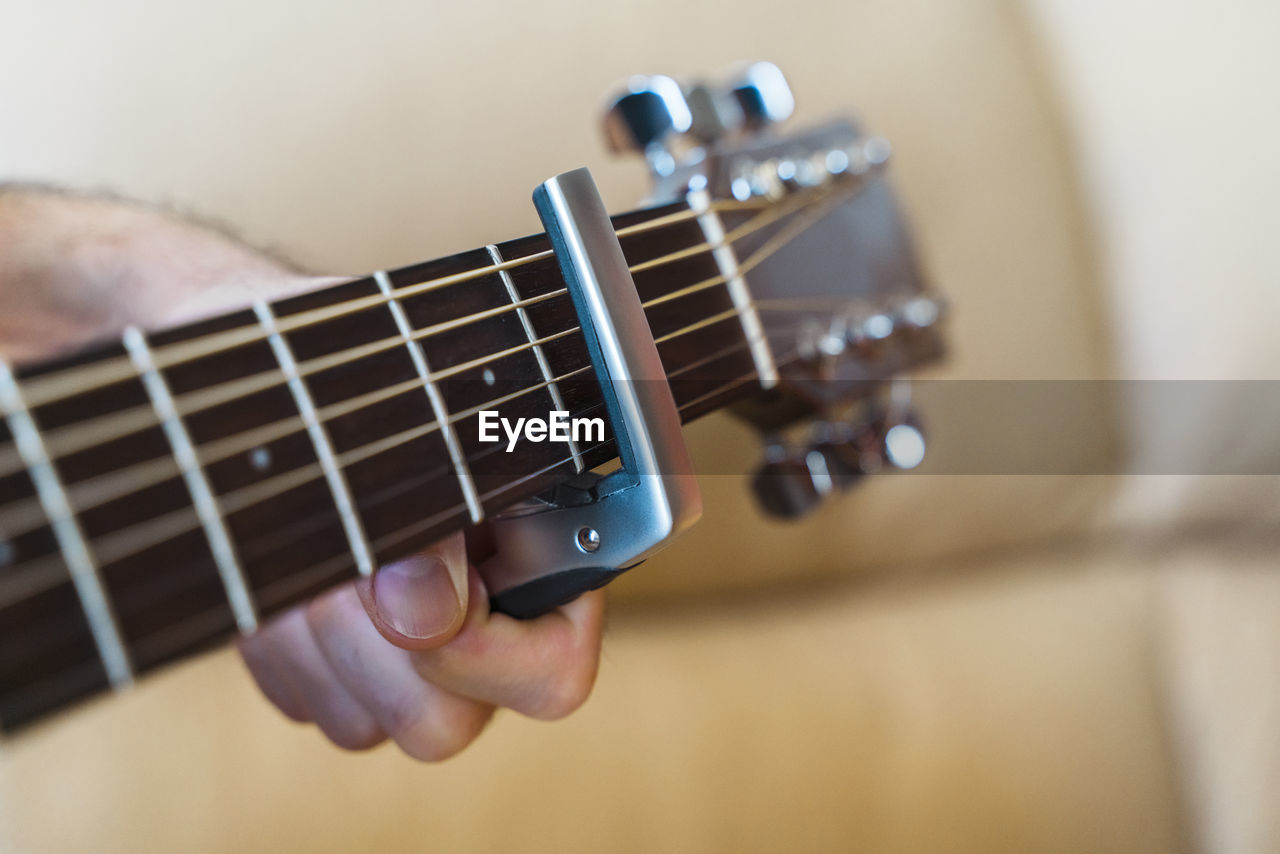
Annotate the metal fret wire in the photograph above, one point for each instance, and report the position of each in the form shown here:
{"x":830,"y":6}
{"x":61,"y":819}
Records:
{"x":396,"y":341}
{"x":727,"y":260}
{"x":556,"y":400}
{"x":202,"y":497}
{"x":98,"y":612}
{"x":436,"y":399}
{"x":328,"y":462}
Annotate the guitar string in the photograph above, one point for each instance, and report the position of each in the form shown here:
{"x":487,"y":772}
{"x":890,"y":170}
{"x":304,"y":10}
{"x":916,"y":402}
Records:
{"x":280,"y":593}
{"x":133,"y":539}
{"x":262,"y":596}
{"x":46,"y":571}
{"x":163,"y":640}
{"x":428,"y":428}
{"x":92,"y":493}
{"x":174,"y":636}
{"x":465,"y":415}
{"x":28,"y":577}
{"x":151,"y":639}
{"x":122,"y":423}
{"x":419,"y":431}
{"x":292,"y":584}
{"x":264,"y":490}
{"x":224,"y":392}
{"x":113,"y":485}
{"x":69,"y":382}
{"x":401,"y":534}
{"x":117,"y":369}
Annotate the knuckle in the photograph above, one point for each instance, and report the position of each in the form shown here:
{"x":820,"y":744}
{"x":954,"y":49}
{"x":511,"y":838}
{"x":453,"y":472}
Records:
{"x":444,"y":738}
{"x":406,"y":713}
{"x":294,"y":713}
{"x":352,"y":734}
{"x":436,"y":749}
{"x":565,"y":694}
{"x":324,"y":614}
{"x":257,"y":656}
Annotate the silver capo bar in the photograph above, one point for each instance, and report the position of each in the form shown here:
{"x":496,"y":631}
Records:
{"x":549,"y":554}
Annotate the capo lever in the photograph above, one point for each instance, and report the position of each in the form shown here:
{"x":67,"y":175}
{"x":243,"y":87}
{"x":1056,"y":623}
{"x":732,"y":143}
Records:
{"x":549,"y":552}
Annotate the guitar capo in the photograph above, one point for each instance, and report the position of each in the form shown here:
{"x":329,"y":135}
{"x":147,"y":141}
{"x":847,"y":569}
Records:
{"x":550,"y":552}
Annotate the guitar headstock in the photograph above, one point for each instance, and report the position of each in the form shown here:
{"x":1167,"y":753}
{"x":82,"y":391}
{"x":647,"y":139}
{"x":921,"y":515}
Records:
{"x":826,"y":257}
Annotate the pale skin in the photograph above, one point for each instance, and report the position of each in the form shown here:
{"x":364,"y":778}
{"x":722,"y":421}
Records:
{"x":412,"y":655}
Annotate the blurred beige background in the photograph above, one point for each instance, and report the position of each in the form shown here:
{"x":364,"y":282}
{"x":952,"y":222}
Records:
{"x":961,"y":663}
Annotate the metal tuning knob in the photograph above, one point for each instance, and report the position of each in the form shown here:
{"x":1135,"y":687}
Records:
{"x":787,"y":486}
{"x":851,"y":451}
{"x":762,"y":94}
{"x":794,"y":479}
{"x":903,"y":444}
{"x":646,"y":118}
{"x":716,"y":113}
{"x":792,"y":482}
{"x":882,"y":439}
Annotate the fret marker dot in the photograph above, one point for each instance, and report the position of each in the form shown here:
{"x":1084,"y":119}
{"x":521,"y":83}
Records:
{"x":260,"y":459}
{"x":489,"y":378}
{"x":7,"y":553}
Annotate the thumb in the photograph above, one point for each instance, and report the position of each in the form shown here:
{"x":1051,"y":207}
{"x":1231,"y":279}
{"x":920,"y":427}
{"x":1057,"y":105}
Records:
{"x":420,"y":602}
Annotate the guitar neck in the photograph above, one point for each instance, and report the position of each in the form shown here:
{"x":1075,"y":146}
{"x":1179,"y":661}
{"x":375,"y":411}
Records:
{"x":161,"y":492}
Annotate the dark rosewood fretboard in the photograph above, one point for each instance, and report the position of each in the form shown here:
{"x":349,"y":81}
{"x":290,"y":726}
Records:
{"x":153,"y":550}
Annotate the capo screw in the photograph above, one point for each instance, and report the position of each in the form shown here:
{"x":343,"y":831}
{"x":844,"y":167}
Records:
{"x":589,"y":540}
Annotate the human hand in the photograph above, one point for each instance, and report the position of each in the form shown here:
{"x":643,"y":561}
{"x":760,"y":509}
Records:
{"x":412,"y":654}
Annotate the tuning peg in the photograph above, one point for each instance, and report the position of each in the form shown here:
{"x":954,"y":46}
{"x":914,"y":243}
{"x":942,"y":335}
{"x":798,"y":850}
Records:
{"x":882,"y":439}
{"x":785,"y":488}
{"x":646,"y":117}
{"x":763,"y":95}
{"x":791,"y":483}
{"x":903,"y":444}
{"x":716,"y":113}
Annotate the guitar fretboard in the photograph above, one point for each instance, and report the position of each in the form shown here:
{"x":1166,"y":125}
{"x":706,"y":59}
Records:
{"x":160,"y":492}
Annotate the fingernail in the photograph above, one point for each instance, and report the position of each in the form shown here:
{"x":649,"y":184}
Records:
{"x":416,"y":597}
